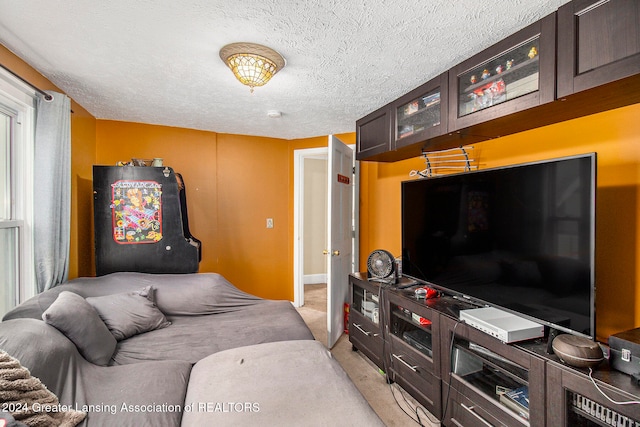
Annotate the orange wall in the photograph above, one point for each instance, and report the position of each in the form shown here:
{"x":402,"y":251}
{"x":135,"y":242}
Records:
{"x":189,"y":152}
{"x":83,"y":146}
{"x":234,"y":183}
{"x":613,"y":135}
{"x":253,"y":180}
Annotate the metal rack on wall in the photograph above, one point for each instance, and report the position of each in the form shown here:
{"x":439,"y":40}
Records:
{"x":443,"y":162}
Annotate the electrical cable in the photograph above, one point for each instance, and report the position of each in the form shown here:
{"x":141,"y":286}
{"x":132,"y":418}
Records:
{"x":414,"y":408}
{"x":381,"y":308}
{"x":410,"y":405}
{"x":446,"y":401}
{"x":417,"y":407}
{"x":628,"y":402}
{"x":417,"y":421}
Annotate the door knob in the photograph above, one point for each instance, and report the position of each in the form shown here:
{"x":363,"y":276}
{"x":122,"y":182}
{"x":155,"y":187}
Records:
{"x":334,"y":253}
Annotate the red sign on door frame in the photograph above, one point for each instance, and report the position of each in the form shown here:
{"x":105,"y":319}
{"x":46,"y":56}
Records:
{"x":343,"y":179}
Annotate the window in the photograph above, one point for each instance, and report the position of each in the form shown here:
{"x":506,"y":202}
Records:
{"x":17,"y":118}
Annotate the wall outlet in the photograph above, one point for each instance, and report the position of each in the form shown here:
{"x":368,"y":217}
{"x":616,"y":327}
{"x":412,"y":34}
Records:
{"x":269,"y":222}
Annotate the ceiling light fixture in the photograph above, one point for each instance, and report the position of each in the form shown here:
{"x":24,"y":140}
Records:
{"x":252,"y":64}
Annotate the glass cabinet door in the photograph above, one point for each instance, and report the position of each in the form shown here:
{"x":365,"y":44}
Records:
{"x":366,"y":303}
{"x":495,"y":376}
{"x":422,"y":113}
{"x":418,"y":114}
{"x":514,"y":75}
{"x":411,"y":328}
{"x":508,"y":76}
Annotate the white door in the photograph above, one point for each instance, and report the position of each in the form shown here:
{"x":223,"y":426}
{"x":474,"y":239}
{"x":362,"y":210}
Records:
{"x":340,"y":233}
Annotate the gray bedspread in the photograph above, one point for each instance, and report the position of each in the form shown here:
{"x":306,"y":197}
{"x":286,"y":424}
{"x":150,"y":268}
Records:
{"x":208,"y":314}
{"x":192,"y":338}
{"x":176,"y":294}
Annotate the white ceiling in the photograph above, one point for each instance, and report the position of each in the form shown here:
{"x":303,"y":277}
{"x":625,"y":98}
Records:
{"x":156,"y":61}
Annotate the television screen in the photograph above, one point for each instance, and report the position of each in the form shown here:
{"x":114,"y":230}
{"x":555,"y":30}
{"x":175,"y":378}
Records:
{"x":519,"y":238}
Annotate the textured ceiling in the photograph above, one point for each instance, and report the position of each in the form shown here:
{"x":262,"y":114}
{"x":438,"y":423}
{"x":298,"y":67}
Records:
{"x":156,"y":61}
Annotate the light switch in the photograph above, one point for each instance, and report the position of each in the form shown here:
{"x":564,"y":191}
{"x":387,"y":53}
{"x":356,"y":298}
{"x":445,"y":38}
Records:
{"x":269,"y":222}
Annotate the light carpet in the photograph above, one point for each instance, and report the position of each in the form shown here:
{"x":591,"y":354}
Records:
{"x":367,"y":377}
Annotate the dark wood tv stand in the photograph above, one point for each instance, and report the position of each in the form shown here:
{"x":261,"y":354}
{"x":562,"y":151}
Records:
{"x":459,"y":373}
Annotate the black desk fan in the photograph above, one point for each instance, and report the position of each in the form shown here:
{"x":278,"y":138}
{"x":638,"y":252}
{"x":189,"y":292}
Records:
{"x":381,"y":267}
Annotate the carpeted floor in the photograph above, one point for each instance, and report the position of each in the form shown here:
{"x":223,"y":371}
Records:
{"x":366,"y":376}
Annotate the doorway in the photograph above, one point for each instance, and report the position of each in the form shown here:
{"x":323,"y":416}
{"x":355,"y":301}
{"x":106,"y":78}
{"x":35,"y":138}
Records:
{"x":310,"y":218}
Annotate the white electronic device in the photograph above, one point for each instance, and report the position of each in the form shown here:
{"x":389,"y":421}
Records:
{"x":505,"y":326}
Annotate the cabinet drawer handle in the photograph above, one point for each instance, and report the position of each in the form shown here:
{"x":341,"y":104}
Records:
{"x":367,"y":333}
{"x":413,"y":368}
{"x":470,"y":409}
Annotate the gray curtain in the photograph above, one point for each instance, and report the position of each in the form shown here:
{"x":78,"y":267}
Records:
{"x":52,"y":190}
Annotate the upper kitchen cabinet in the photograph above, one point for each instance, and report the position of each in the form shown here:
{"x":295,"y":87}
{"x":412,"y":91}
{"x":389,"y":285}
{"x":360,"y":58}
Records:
{"x":421,"y":114}
{"x":515,"y":74}
{"x":373,"y":134}
{"x":598,"y":43}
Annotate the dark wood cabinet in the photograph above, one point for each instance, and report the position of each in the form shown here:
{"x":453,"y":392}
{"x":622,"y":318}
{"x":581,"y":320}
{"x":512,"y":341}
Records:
{"x":574,"y":400}
{"x":515,"y":74}
{"x":400,"y":129}
{"x":580,"y":60}
{"x":411,"y":362}
{"x":461,"y":374}
{"x":365,"y":324}
{"x":373,"y":134}
{"x":477,"y":370}
{"x":598,"y":43}
{"x":479,"y":99}
{"x":463,"y":412}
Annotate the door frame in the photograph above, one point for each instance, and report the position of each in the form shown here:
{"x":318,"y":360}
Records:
{"x":298,"y":215}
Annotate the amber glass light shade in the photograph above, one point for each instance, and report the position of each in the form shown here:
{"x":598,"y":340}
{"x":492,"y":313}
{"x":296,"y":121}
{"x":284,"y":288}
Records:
{"x":252,"y":64}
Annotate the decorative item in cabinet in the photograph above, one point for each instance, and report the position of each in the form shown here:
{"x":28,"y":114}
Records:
{"x":422,"y":113}
{"x":410,"y":122}
{"x":513,"y":75}
{"x":510,"y":75}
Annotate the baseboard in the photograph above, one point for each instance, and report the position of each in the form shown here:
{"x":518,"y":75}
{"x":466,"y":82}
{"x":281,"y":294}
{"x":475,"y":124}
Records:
{"x":310,"y":279}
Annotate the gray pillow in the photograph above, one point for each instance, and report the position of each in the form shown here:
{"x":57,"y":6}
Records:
{"x":129,"y":313}
{"x":77,"y":320}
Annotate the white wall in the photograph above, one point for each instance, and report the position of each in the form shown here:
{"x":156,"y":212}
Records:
{"x":315,"y":219}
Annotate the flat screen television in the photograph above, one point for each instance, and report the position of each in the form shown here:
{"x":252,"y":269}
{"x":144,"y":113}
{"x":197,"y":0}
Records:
{"x":520,"y":238}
